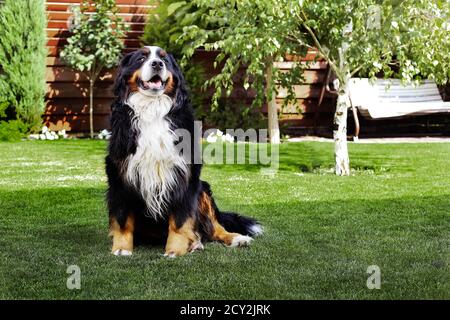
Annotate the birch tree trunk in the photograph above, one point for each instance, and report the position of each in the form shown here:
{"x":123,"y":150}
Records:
{"x":91,"y":108}
{"x":272,"y":112}
{"x":340,"y":132}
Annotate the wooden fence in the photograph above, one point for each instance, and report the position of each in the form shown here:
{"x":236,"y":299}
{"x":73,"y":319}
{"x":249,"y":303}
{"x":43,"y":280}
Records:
{"x":67,"y":90}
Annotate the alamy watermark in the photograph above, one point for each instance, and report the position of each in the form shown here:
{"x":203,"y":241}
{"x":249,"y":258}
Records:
{"x":244,"y":149}
{"x":374,"y":279}
{"x":374,"y":17}
{"x":74,"y":280}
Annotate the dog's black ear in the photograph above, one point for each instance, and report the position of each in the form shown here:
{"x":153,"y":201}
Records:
{"x":174,"y":63}
{"x":120,"y":84}
{"x":181,"y":97}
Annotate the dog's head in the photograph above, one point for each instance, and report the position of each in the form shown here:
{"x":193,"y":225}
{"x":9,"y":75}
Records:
{"x":151,"y":71}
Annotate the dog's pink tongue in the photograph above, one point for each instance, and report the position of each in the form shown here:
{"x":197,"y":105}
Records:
{"x":155,"y":85}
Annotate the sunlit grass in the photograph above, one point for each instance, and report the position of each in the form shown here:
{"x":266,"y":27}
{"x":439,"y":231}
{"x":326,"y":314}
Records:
{"x":322,"y":231}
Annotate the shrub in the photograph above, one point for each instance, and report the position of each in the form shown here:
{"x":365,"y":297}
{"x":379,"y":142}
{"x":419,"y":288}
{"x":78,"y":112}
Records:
{"x":22,"y":60}
{"x":12,"y":130}
{"x":3,"y":106}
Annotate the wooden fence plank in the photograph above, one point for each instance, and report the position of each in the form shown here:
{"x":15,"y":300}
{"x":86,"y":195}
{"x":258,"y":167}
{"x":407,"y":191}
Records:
{"x":63,"y":24}
{"x":64,"y":33}
{"x":128,"y":17}
{"x":75,"y":123}
{"x":304,"y":105}
{"x":119,"y":2}
{"x":55,"y":51}
{"x":61,"y":42}
{"x":123,"y":8}
{"x":303,"y":91}
{"x":76,"y":90}
{"x":66,"y":74}
{"x":76,"y":106}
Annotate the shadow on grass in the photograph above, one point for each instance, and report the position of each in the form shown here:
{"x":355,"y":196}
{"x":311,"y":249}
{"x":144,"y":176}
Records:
{"x":76,"y":213}
{"x":322,"y":247}
{"x":300,"y":157}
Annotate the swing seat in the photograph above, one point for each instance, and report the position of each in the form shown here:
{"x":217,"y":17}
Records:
{"x":389,"y":98}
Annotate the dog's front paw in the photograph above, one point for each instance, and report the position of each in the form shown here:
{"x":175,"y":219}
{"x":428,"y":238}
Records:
{"x":177,"y":252}
{"x":196,"y":246}
{"x":173,"y":253}
{"x":121,"y":252}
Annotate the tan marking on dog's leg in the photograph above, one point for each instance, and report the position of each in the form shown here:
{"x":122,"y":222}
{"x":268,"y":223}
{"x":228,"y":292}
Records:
{"x":230,"y":239}
{"x":181,"y":240}
{"x":122,"y":237}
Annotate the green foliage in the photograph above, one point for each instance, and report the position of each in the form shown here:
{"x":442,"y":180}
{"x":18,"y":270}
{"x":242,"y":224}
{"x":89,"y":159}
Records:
{"x":22,"y":60}
{"x":170,"y":27}
{"x":3,"y":107}
{"x":12,"y":130}
{"x":165,"y":27}
{"x":166,"y":22}
{"x":250,"y":34}
{"x":96,"y":40}
{"x":353,"y":36}
{"x":410,"y":35}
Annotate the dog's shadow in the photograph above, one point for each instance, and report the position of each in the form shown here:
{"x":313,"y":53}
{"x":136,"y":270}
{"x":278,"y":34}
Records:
{"x":61,"y":221}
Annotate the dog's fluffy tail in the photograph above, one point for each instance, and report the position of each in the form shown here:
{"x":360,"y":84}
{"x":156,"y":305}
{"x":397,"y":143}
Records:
{"x":233,"y":222}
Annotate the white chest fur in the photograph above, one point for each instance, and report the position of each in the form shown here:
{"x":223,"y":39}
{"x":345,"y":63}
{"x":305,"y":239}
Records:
{"x":153,"y":168}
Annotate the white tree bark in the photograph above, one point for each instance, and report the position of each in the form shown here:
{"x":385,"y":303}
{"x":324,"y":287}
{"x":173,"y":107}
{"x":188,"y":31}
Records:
{"x":272,"y":112}
{"x":91,"y":108}
{"x":340,"y":132}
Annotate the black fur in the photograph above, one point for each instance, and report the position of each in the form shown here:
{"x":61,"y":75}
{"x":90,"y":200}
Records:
{"x":122,"y":199}
{"x":232,"y":222}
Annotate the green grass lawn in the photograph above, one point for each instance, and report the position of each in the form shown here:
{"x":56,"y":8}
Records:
{"x":322,"y":231}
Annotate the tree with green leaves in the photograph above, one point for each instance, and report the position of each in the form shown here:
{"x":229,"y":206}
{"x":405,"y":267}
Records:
{"x":96,"y":42}
{"x":164,"y":27}
{"x":249,"y":34}
{"x":22,"y":61}
{"x":405,"y":39}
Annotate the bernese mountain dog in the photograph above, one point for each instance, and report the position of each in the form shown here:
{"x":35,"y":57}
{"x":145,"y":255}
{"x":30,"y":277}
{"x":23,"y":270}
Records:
{"x":155,"y":191}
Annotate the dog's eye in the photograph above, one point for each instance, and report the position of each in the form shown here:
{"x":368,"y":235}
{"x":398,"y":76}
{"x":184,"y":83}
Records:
{"x":141,"y":59}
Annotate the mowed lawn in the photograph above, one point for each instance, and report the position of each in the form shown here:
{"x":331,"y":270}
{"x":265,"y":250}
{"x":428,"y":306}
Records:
{"x":322,"y":231}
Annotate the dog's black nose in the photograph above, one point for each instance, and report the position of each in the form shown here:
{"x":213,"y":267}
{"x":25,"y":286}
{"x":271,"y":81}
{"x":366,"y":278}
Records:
{"x":157,"y":64}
